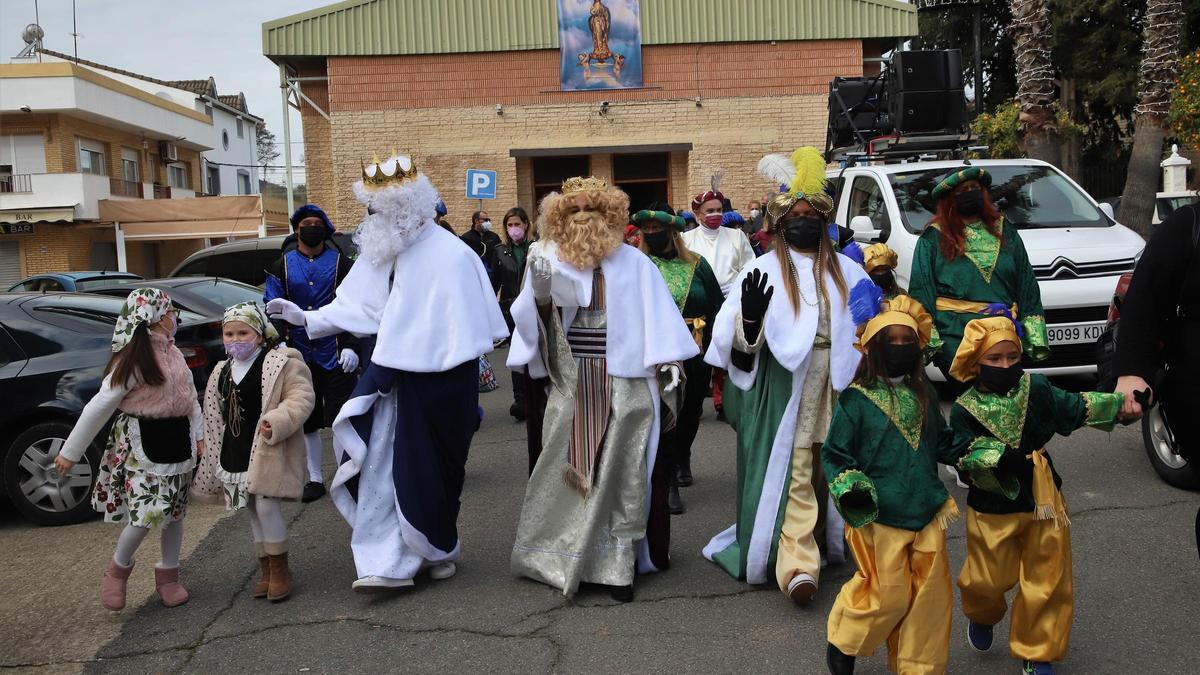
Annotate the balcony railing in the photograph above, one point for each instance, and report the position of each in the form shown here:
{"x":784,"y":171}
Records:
{"x":17,"y":184}
{"x":125,"y":188}
{"x":162,"y":192}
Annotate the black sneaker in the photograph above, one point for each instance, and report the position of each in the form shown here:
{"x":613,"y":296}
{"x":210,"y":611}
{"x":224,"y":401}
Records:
{"x":517,"y":410}
{"x":839,"y":663}
{"x":979,"y":635}
{"x":1038,"y":668}
{"x":622,"y":593}
{"x":683,"y":476}
{"x":675,"y":501}
{"x":313,"y":491}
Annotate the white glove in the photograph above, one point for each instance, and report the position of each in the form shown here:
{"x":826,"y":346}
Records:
{"x":673,"y":371}
{"x":286,"y":310}
{"x":542,"y":274}
{"x":348,"y":360}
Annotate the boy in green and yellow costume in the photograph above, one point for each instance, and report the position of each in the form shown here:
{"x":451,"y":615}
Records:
{"x":884,"y":444}
{"x":969,"y":262}
{"x":1017,"y":525}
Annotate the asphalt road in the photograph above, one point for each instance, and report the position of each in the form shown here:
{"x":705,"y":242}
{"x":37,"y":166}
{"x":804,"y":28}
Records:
{"x":1135,"y":588}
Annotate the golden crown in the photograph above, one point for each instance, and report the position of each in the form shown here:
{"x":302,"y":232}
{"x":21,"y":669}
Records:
{"x":583,"y":184}
{"x":395,"y":170}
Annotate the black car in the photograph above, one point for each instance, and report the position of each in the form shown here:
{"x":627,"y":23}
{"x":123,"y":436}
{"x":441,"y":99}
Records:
{"x":202,"y":295}
{"x":53,"y":349}
{"x":247,"y":261}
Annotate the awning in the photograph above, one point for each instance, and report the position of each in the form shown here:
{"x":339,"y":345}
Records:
{"x":196,"y":218}
{"x":49,"y":214}
{"x":601,"y":150}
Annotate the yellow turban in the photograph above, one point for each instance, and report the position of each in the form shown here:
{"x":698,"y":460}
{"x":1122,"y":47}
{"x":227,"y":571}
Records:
{"x":979,"y":336}
{"x":879,"y":255}
{"x":899,"y":311}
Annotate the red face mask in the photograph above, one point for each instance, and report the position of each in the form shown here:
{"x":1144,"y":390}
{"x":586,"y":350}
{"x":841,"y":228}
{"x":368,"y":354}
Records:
{"x":713,"y":220}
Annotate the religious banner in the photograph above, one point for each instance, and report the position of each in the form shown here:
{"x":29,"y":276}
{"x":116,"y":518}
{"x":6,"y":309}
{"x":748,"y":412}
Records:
{"x":600,"y":43}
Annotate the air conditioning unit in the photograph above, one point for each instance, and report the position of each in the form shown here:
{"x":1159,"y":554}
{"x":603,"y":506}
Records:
{"x":168,"y":152}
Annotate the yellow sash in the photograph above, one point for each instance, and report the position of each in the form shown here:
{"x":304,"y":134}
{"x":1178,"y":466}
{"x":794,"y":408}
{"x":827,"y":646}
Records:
{"x":945,"y":304}
{"x":1048,"y":500}
{"x":697,"y":325}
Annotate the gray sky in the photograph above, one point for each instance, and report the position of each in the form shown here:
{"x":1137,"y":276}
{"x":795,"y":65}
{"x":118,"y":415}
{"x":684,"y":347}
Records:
{"x":171,"y":40}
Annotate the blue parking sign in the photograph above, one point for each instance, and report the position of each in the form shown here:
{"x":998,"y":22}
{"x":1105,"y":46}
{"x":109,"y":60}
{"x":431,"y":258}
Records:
{"x":481,"y":184}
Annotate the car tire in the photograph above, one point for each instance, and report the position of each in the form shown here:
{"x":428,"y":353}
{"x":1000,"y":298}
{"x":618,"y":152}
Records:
{"x":1159,"y":443}
{"x":35,"y":491}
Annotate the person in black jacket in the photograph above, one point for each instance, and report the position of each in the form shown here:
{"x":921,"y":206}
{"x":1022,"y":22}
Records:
{"x":1158,"y":337}
{"x":484,"y":242}
{"x":511,"y":257}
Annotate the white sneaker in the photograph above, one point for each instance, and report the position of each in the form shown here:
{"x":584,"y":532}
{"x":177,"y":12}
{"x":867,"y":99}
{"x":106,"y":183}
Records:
{"x":377,"y":584}
{"x":802,"y":588}
{"x":442,"y":571}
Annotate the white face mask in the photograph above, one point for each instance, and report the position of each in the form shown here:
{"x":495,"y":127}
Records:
{"x":486,"y":225}
{"x":754,"y":213}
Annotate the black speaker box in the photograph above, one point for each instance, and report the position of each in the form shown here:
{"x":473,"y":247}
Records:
{"x":863,"y":101}
{"x":926,"y":70}
{"x":927,"y":111}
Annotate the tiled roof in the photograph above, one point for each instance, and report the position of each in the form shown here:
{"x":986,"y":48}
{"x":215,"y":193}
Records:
{"x":199,"y":87}
{"x":236,"y":101}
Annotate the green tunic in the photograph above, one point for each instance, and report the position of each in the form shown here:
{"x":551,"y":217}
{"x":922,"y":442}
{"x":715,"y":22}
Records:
{"x":987,"y":273}
{"x":1027,"y":418}
{"x":880,"y":442}
{"x":696,"y":292}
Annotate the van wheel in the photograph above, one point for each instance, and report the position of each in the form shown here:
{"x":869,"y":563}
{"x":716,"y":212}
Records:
{"x":1161,"y":449}
{"x":34,"y":485}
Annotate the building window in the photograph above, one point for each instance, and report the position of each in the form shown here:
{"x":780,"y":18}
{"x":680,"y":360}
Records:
{"x":644,"y":177}
{"x":550,"y":172}
{"x":241,"y":131}
{"x":130,"y":169}
{"x":214,"y":180}
{"x":177,"y":176}
{"x":225,"y":139}
{"x":244,"y":183}
{"x":91,"y":157}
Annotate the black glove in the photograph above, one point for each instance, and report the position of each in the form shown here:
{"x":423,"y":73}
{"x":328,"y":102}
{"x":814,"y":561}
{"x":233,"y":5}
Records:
{"x":856,"y":500}
{"x":1013,"y":461}
{"x":755,"y":296}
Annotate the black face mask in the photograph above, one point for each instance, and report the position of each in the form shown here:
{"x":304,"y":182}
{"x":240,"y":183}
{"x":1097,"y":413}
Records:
{"x":999,"y":380}
{"x":885,"y":279}
{"x":901,"y":359}
{"x":969,"y":204}
{"x":311,"y":236}
{"x":659,"y":243}
{"x":802,"y":232}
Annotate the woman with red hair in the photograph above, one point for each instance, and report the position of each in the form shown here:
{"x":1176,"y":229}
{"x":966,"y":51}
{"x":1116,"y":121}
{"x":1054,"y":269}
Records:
{"x":970,"y":263}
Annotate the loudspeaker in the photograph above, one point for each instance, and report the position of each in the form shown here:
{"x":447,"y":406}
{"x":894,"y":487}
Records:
{"x":861,"y":100}
{"x":938,"y":70}
{"x":926,"y":111}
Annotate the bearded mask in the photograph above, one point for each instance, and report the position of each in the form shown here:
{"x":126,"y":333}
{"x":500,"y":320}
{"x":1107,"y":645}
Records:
{"x":585,"y":238}
{"x":401,"y":203}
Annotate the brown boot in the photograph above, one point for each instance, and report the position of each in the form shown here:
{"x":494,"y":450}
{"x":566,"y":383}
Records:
{"x":279,"y":584}
{"x":166,"y":581}
{"x":112,"y":586}
{"x":264,"y":583}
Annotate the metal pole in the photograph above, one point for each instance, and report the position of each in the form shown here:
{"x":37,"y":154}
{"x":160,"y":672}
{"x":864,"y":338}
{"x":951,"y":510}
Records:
{"x":119,"y":238}
{"x":287,"y":140}
{"x":979,"y":105}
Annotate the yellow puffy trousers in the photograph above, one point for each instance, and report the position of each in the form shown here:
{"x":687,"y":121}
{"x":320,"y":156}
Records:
{"x":802,"y":535}
{"x":901,"y":594}
{"x":1004,"y":549}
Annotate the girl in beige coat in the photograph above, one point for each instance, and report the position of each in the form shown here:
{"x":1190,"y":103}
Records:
{"x":254,"y":411}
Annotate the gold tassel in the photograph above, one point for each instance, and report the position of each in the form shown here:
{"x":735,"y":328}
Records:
{"x":576,"y":480}
{"x":949,"y":513}
{"x":1048,"y":500}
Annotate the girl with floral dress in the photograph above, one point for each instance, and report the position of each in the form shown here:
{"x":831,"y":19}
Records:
{"x":255,"y":406}
{"x":152,"y":447}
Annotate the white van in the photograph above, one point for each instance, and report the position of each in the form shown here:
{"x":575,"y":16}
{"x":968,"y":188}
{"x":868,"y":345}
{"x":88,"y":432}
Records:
{"x":1077,"y":250}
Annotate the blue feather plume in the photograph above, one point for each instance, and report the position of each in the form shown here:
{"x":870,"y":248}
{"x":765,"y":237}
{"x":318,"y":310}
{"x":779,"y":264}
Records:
{"x":733,"y":218}
{"x":854,"y":252}
{"x":865,"y":299}
{"x":1000,"y":309}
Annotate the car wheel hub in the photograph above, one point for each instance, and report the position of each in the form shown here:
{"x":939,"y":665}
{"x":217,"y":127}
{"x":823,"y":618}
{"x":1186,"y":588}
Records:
{"x":43,"y":486}
{"x":1164,"y":446}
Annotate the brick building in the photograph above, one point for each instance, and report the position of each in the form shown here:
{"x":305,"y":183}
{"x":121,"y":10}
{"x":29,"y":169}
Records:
{"x":475,"y":84}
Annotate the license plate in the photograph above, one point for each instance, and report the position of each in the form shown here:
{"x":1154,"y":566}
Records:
{"x":1074,"y":333}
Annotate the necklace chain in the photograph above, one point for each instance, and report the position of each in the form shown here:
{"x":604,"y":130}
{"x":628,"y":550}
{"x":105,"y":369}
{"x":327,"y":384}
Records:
{"x":816,"y":277}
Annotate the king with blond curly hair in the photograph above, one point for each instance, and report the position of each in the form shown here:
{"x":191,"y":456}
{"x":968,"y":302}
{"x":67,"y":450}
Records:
{"x":596,"y":317}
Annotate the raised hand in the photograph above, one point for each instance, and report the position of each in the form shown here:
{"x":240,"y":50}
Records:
{"x":756,"y":296}
{"x":542,"y":275}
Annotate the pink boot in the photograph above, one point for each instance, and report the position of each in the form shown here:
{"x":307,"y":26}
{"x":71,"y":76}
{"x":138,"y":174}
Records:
{"x":112,"y":586}
{"x":173,"y":593}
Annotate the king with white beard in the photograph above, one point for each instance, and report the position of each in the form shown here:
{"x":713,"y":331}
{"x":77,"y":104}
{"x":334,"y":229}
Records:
{"x":402,"y":438}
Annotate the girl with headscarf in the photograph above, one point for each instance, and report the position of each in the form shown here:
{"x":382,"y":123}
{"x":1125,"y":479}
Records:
{"x":787,"y":357}
{"x":969,"y":262}
{"x":152,"y":447}
{"x":255,"y":406}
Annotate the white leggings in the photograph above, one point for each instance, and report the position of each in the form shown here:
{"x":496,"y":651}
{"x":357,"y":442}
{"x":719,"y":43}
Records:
{"x":132,"y":536}
{"x":266,"y":520}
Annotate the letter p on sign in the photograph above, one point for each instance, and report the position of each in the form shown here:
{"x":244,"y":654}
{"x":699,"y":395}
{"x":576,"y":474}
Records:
{"x":481,"y":184}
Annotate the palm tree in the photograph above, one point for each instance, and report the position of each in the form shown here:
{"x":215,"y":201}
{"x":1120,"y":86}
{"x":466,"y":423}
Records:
{"x":1162,"y":40}
{"x":1032,"y":38}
